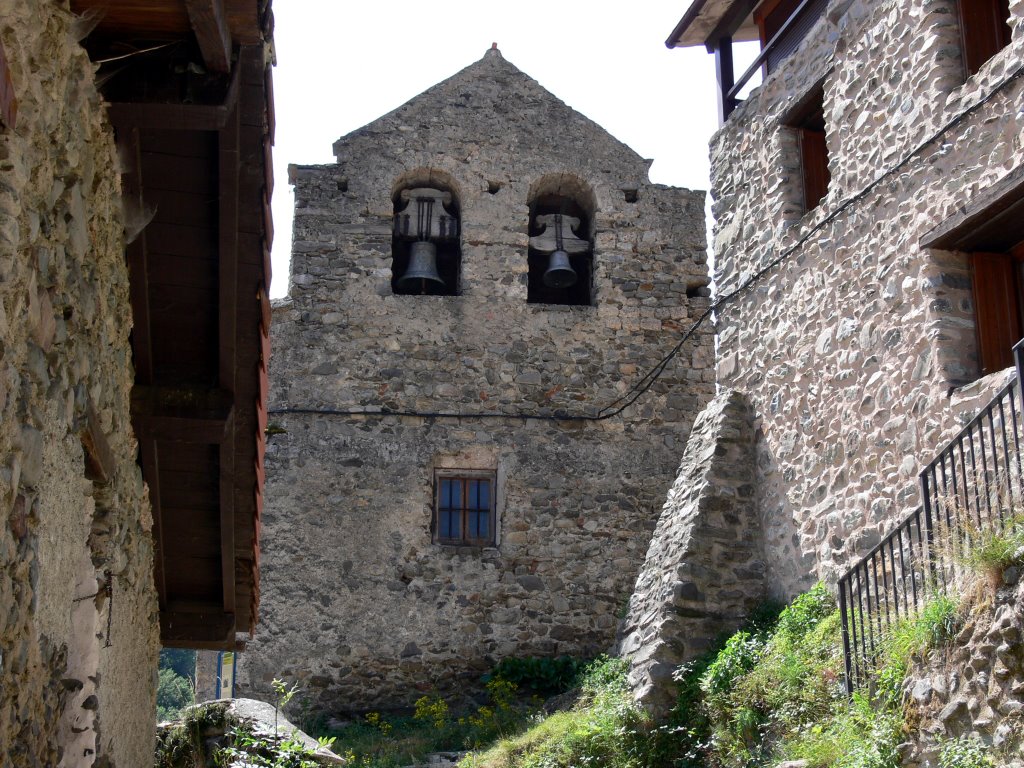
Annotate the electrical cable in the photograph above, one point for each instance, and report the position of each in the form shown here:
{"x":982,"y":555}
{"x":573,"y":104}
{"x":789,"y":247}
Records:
{"x":642,"y":385}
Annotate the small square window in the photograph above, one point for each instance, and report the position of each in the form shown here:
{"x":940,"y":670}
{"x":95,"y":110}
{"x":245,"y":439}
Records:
{"x":464,"y":504}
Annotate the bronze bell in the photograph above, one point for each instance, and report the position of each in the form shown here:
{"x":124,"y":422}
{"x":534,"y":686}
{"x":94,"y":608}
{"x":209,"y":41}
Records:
{"x":559,"y":273}
{"x":422,"y":265}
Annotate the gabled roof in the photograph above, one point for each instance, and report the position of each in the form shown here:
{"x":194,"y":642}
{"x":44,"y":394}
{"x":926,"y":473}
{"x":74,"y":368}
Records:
{"x":514,"y":107}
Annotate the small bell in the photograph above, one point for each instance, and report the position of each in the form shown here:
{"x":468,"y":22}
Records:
{"x":559,"y":273}
{"x":422,"y":265}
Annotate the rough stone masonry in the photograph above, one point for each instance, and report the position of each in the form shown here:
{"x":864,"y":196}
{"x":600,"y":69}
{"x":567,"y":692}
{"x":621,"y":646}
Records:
{"x":71,"y":693}
{"x":858,"y":352}
{"x":367,"y":599}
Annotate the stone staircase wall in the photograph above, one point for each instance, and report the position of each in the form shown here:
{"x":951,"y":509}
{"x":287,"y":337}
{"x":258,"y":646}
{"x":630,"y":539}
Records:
{"x":704,"y":571}
{"x":975,"y":685}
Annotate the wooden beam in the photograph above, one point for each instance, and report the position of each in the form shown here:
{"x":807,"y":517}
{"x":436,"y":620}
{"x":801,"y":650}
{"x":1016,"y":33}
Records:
{"x":175,"y":429}
{"x":151,"y":473}
{"x":184,"y":415}
{"x":725,"y":74}
{"x":211,"y":28}
{"x":229,"y":160}
{"x":729,"y":22}
{"x":184,"y":402}
{"x":180,"y":629}
{"x":100,"y":463}
{"x":137,"y":257}
{"x":177,"y":117}
{"x":8,"y":102}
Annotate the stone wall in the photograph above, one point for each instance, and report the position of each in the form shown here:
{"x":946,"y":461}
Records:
{"x":77,"y":684}
{"x":704,"y":571}
{"x":358,"y":602}
{"x":974,"y":687}
{"x":852,"y":349}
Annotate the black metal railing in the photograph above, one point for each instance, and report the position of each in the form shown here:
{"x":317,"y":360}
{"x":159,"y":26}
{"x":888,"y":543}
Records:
{"x":970,"y":486}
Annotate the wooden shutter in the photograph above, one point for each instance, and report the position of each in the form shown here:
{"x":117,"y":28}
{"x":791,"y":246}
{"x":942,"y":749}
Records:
{"x":8,"y":104}
{"x":996,"y":309}
{"x":814,"y":159}
{"x":984,"y":30}
{"x":772,"y":14}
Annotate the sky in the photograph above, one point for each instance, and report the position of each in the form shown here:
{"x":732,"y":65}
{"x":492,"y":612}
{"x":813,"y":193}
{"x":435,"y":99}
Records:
{"x":341,"y":65}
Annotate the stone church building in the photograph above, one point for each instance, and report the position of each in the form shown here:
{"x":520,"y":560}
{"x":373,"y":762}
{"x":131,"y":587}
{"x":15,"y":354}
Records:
{"x":480,"y":279}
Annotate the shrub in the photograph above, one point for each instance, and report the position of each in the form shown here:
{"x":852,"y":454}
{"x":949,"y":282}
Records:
{"x":604,"y":728}
{"x":913,"y":636}
{"x":992,"y":549}
{"x":173,"y":694}
{"x":542,"y":675}
{"x":965,"y":752}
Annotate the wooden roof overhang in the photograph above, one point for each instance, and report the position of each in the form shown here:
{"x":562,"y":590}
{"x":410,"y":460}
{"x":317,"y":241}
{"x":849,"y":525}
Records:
{"x":191,"y":102}
{"x":706,"y":22}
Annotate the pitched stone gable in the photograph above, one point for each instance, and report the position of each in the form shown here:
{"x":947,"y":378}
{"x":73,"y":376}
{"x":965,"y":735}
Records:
{"x":491,"y":105}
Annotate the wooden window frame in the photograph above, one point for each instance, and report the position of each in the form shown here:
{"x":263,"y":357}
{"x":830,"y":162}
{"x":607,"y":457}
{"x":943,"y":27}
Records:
{"x":984,"y":31}
{"x":465,"y":476}
{"x":808,"y":121}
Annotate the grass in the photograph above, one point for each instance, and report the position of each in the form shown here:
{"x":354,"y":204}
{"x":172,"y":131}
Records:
{"x":991,"y":550}
{"x":389,"y":741}
{"x":773,"y":691}
{"x":604,"y":728}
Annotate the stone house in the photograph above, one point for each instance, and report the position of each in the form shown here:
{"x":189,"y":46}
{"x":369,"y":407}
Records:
{"x":134,"y":162}
{"x":868,"y":200}
{"x":482,"y":276}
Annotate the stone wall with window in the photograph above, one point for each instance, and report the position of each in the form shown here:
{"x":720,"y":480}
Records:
{"x":856,"y":341}
{"x":78,"y":629}
{"x":379,"y":397}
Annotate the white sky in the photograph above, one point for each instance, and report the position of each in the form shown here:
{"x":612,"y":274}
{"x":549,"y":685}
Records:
{"x":341,"y":65}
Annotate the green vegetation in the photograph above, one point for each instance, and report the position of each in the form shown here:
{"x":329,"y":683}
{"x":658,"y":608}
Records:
{"x":208,"y":735}
{"x":540,"y":675}
{"x":183,"y":745}
{"x":965,"y":752}
{"x":990,"y":550}
{"x":380,"y":741}
{"x":176,"y":682}
{"x":604,"y":728}
{"x":771,"y":692}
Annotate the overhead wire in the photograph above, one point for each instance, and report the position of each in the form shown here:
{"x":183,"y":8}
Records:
{"x":642,"y":385}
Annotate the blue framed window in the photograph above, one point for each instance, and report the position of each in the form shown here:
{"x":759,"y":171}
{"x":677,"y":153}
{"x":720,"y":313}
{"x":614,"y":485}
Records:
{"x":464,"y":506}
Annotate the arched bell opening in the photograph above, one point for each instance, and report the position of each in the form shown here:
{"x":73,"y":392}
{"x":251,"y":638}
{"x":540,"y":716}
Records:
{"x":561,"y":254}
{"x":426,"y":256}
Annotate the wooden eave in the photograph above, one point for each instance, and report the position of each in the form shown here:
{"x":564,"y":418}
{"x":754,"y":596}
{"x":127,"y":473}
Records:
{"x":193,"y":118}
{"x":706,"y":21}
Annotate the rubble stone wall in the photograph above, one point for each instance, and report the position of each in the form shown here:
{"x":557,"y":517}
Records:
{"x":77,"y":685}
{"x":358,"y":603}
{"x":704,"y":571}
{"x":974,"y":686}
{"x":857,"y":349}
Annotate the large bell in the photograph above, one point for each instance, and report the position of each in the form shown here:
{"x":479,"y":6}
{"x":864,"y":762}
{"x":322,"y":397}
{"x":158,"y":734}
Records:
{"x":422,"y":266}
{"x":559,"y":273}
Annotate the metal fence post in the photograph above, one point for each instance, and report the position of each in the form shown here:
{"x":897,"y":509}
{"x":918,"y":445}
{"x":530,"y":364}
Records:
{"x":1018,"y":359}
{"x":929,"y":531}
{"x":844,"y":621}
